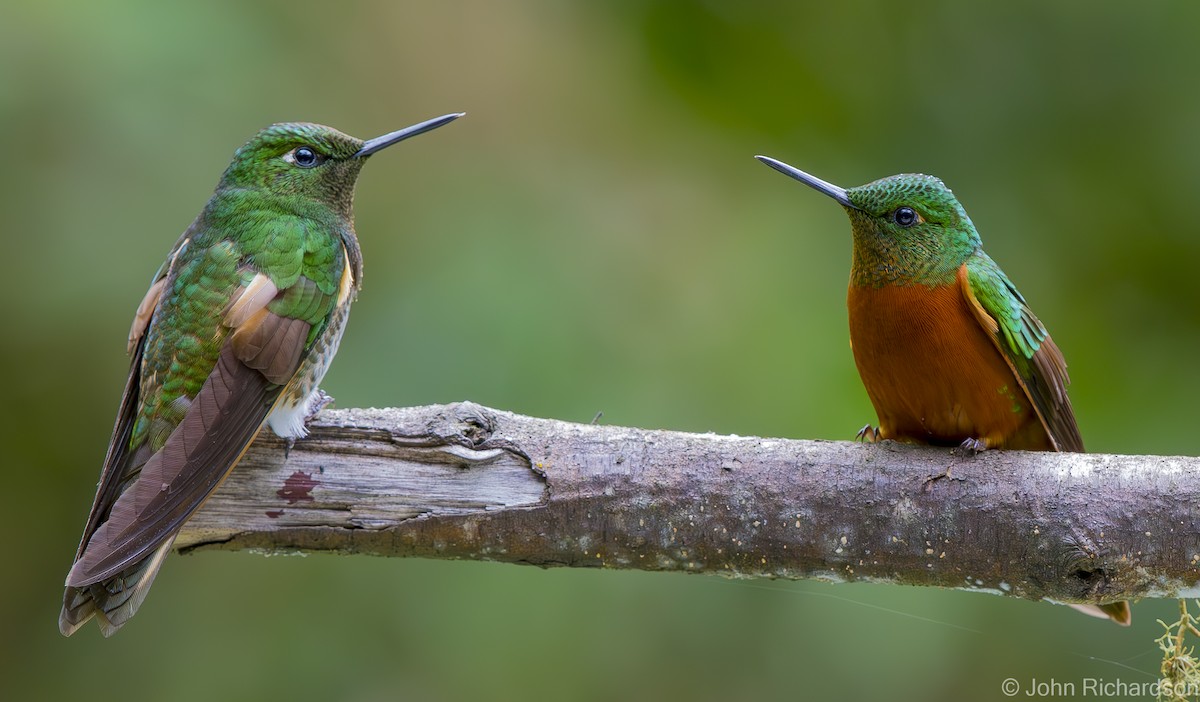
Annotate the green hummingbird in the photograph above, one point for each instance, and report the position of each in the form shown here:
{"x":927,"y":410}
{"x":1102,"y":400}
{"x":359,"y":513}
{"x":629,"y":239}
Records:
{"x":948,"y":349}
{"x":236,"y":331}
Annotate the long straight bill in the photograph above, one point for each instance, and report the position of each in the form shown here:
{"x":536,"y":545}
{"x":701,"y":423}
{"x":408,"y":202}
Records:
{"x":378,"y":143}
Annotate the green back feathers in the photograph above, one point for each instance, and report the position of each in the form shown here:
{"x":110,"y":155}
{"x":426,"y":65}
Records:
{"x":1020,"y":330}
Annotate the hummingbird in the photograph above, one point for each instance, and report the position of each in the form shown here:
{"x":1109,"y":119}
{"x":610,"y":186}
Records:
{"x":236,"y":331}
{"x":948,"y":349}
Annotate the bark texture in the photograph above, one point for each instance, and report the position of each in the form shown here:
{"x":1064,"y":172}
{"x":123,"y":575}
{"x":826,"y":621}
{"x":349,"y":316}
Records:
{"x":464,"y":481}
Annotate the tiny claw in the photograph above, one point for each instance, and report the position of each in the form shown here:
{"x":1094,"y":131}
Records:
{"x":288,"y":443}
{"x":868,"y":435}
{"x":973,"y":447}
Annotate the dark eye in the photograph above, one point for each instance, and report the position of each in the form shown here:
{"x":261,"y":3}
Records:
{"x":305,"y":157}
{"x":905,"y":216}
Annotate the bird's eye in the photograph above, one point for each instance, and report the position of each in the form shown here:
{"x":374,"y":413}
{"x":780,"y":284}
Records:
{"x":304,"y":157}
{"x":905,"y":216}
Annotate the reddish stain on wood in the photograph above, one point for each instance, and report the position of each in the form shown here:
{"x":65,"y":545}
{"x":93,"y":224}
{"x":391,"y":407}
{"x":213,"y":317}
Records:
{"x":297,"y":488}
{"x":275,"y":513}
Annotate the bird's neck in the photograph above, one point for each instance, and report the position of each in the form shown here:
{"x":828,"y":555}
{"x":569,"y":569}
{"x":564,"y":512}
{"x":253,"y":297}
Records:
{"x":880,"y":262}
{"x":233,"y":204}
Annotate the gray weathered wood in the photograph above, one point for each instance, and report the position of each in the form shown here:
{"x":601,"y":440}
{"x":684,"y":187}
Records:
{"x":465,"y":481}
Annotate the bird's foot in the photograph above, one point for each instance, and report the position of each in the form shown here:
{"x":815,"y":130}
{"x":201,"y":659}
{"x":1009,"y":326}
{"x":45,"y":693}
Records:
{"x":319,"y":401}
{"x":973,"y":447}
{"x":868,"y":435}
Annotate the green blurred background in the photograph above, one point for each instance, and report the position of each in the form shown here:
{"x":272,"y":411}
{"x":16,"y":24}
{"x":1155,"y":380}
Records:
{"x":594,"y":235}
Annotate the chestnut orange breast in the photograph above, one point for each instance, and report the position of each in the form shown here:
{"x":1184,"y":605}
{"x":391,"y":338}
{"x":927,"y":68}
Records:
{"x":933,"y":374}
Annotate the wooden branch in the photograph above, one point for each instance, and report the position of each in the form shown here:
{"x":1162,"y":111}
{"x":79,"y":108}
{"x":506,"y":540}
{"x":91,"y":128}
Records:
{"x":465,"y":481}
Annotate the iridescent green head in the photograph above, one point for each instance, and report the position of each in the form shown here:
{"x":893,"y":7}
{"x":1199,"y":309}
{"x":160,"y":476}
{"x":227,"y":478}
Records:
{"x":310,"y":161}
{"x":908,"y":228}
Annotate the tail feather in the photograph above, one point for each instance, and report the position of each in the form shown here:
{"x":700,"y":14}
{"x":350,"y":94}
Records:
{"x":113,"y":601}
{"x":1119,"y":612}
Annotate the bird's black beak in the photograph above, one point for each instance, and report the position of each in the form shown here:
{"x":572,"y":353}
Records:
{"x":378,"y":143}
{"x":813,"y":182}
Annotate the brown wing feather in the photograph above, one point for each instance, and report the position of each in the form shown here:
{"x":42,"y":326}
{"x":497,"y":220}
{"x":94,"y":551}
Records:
{"x":118,"y":447}
{"x":1047,"y":387}
{"x":141,"y":318}
{"x":221,"y":422}
{"x":78,"y":607}
{"x":116,"y":469}
{"x":271,"y":345}
{"x":1045,"y":384}
{"x":144,"y":498}
{"x":216,"y":430}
